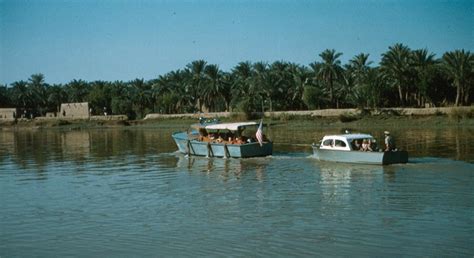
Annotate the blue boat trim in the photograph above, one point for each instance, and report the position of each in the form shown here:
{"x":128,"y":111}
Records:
{"x":189,"y":143}
{"x":328,"y":150}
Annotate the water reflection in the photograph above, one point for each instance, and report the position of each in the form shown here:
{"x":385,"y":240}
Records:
{"x":339,"y":181}
{"x":130,"y":185}
{"x":36,"y":148}
{"x":225,"y":168}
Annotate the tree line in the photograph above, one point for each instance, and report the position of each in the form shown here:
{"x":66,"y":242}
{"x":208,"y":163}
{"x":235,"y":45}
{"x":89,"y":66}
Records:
{"x":404,"y":78}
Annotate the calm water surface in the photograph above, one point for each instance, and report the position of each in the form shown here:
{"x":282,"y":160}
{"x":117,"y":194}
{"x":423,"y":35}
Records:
{"x":126,"y":192}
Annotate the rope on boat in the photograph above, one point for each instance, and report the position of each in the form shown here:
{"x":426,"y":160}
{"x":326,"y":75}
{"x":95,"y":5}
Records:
{"x":188,"y":148}
{"x":226,"y":151}
{"x":209,"y":150}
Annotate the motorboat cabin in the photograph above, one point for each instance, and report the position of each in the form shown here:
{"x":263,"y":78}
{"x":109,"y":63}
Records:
{"x":356,"y":148}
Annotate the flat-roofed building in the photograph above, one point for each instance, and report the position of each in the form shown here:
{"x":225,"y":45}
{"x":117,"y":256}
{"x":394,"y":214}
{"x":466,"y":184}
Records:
{"x":75,"y":110}
{"x":8,"y":113}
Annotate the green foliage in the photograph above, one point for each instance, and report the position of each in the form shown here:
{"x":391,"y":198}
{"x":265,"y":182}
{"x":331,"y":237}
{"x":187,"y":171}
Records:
{"x":312,"y":97}
{"x":347,"y":117}
{"x":122,"y":105}
{"x":404,"y":77}
{"x":5,"y":97}
{"x":458,"y":113}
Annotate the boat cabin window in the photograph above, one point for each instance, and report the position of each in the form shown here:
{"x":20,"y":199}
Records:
{"x":327,"y":142}
{"x":340,"y":143}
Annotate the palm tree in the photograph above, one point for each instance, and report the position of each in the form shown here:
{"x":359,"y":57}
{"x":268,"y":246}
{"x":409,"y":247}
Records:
{"x":300,"y":78}
{"x":330,"y":70}
{"x":396,"y":64}
{"x":196,"y":68}
{"x":56,"y":96}
{"x":100,"y":96}
{"x":5,"y":97}
{"x":121,"y":102}
{"x":22,"y":94}
{"x":459,"y":66}
{"x":262,"y":85}
{"x":213,"y":86}
{"x":315,"y":94}
{"x":359,"y":67}
{"x":280,"y":84}
{"x":424,"y":63}
{"x":226,"y":85}
{"x":141,"y":95}
{"x":39,"y":89}
{"x":244,"y":88}
{"x":243,"y":79}
{"x":376,"y":86}
{"x":357,"y":75}
{"x":77,"y":90}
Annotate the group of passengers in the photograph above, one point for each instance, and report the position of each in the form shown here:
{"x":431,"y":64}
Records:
{"x":364,"y":145}
{"x":371,"y":144}
{"x":227,"y":138}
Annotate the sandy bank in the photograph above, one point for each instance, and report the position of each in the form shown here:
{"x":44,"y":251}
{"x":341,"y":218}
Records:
{"x":333,"y":112}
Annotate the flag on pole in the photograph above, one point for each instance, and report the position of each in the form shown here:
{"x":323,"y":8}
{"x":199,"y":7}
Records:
{"x":259,"y":134}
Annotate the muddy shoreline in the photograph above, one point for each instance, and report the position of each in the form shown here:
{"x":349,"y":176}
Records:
{"x":425,"y":117}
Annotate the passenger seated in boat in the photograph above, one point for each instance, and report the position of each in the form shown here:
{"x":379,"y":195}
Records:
{"x":373,"y":145}
{"x":239,"y":140}
{"x":212,"y":136}
{"x":355,"y":145}
{"x":365,"y":145}
{"x":219,"y":139}
{"x":202,"y":135}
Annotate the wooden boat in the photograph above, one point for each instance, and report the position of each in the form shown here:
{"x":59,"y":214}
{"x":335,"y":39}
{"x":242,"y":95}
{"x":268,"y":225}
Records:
{"x":343,"y":148}
{"x":222,"y":140}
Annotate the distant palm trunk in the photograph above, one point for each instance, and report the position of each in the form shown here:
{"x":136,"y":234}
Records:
{"x":400,"y":95}
{"x":458,"y":94}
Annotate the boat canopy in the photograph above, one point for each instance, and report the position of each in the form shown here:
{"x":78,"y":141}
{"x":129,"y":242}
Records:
{"x":349,"y":137}
{"x":230,"y":126}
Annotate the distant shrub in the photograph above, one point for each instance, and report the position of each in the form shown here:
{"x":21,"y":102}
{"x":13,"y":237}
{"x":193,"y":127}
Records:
{"x":389,"y":112}
{"x":365,"y":112}
{"x":239,"y":116}
{"x":460,"y":113}
{"x":286,"y":117}
{"x":347,"y":117}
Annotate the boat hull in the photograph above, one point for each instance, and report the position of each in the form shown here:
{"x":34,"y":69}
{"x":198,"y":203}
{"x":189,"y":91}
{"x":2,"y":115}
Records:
{"x":188,"y":144}
{"x":360,"y":157}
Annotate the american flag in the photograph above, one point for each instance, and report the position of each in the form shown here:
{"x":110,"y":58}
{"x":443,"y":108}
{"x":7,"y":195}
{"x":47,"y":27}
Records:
{"x":259,"y":133}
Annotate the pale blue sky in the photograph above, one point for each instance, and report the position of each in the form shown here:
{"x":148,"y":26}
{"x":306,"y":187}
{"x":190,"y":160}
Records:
{"x":123,"y":40}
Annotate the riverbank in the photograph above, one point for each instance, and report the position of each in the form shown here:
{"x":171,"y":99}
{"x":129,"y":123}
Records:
{"x":467,"y":111}
{"x":394,"y":117}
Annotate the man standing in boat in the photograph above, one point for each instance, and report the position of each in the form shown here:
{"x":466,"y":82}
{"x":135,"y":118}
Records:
{"x":389,"y":142}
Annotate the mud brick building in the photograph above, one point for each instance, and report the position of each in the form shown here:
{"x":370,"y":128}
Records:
{"x":75,"y":110}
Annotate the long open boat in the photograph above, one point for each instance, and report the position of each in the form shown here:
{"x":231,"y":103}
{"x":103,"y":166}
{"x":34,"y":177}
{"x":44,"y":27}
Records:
{"x":341,"y":148}
{"x":204,"y":140}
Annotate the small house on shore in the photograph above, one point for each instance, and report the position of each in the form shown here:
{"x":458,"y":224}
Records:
{"x":8,"y":113}
{"x":74,"y":110}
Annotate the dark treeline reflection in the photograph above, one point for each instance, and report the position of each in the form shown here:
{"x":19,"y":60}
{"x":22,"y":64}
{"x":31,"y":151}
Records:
{"x":29,"y":148}
{"x":36,"y":148}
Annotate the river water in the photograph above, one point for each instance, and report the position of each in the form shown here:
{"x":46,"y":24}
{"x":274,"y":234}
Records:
{"x":126,"y":192}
